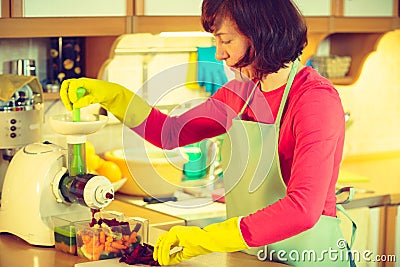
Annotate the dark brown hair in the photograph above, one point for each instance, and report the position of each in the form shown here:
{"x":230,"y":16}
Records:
{"x":276,"y":29}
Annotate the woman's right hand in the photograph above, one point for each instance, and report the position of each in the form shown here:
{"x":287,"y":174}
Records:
{"x":113,"y":97}
{"x":97,"y":91}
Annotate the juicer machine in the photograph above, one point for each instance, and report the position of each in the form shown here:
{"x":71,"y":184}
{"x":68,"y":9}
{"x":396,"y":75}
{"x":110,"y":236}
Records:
{"x":38,"y":185}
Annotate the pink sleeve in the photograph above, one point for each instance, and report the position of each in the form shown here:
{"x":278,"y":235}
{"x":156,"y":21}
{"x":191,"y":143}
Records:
{"x":209,"y":119}
{"x":316,"y":124}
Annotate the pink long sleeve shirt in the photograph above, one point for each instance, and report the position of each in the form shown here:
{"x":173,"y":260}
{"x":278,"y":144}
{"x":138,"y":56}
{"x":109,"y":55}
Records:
{"x":310,"y":147}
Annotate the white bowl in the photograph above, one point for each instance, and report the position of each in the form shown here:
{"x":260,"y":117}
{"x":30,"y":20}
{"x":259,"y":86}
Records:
{"x":150,"y":172}
{"x":90,"y":123}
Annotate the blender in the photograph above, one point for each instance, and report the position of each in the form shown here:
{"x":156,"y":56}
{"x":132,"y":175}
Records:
{"x":39,"y":186}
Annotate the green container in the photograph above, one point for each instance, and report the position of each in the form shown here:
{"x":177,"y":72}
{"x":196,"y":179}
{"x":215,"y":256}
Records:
{"x":64,"y":231}
{"x":196,"y":167}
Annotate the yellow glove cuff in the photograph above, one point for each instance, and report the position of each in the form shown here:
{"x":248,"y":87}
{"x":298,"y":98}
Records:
{"x":136,"y":111}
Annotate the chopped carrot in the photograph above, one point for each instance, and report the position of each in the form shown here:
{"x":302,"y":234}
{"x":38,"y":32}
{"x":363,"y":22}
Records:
{"x":97,"y":251}
{"x":111,"y":249}
{"x":86,"y":239}
{"x":133,"y":237}
{"x":102,"y":237}
{"x":109,"y":238}
{"x":118,"y":245}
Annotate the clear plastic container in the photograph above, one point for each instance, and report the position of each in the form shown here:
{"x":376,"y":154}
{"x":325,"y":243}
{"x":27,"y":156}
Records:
{"x":110,"y":236}
{"x":64,"y":231}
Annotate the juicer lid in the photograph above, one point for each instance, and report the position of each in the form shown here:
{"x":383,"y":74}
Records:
{"x":41,"y":148}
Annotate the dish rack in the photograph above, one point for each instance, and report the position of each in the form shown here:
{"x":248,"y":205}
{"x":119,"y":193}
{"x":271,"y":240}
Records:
{"x":331,"y":66}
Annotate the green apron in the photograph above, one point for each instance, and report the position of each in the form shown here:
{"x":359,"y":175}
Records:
{"x":253,"y":180}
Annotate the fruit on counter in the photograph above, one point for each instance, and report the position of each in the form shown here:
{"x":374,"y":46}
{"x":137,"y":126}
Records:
{"x":96,"y":164}
{"x":89,"y":148}
{"x":93,"y":162}
{"x":110,"y":170}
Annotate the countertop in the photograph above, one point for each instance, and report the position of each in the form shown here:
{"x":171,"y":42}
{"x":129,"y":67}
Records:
{"x":382,"y":184}
{"x":14,"y":252}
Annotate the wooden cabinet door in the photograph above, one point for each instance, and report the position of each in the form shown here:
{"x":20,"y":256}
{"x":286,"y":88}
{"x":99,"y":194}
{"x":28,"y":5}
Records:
{"x":170,"y":7}
{"x":4,"y":8}
{"x":319,"y":8}
{"x":71,"y":8}
{"x":370,"y":235}
{"x":392,"y":241}
{"x":368,"y":8}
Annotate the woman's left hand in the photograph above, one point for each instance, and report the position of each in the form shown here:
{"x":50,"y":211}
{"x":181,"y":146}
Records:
{"x":195,"y":241}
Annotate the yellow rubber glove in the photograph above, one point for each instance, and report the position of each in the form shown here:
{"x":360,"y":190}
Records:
{"x":129,"y":108}
{"x":195,"y":241}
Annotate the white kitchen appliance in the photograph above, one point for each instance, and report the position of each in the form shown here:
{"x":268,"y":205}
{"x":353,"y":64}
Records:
{"x":38,"y":185}
{"x":21,"y":116}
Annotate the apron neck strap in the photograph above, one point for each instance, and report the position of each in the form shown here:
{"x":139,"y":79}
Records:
{"x":289,"y":83}
{"x":248,"y":99}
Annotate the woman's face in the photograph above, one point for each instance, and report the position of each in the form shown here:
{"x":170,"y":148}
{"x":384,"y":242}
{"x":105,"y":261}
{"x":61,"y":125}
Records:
{"x":231,"y":47}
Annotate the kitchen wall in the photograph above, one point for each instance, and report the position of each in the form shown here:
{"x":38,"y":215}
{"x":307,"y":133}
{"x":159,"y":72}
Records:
{"x":374,"y":100}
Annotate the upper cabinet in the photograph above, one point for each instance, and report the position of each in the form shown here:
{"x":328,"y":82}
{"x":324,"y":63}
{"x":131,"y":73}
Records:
{"x":4,"y":9}
{"x":368,"y":8}
{"x":312,"y":8}
{"x":54,"y":18}
{"x":70,"y":8}
{"x":351,"y":27}
{"x":169,"y":8}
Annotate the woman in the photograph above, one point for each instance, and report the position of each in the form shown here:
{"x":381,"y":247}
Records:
{"x":286,"y":194}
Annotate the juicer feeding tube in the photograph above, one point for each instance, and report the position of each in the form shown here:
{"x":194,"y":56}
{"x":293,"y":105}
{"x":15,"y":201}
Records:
{"x":77,"y":165}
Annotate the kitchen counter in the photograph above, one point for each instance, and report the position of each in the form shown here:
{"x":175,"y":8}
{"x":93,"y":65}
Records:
{"x":376,"y":179}
{"x":381,"y":183}
{"x":15,"y":252}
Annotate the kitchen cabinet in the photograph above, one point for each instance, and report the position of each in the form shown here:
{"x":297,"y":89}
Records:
{"x":4,"y":9}
{"x":392,"y":242}
{"x":169,"y":8}
{"x":397,"y":237}
{"x":370,"y":235}
{"x":355,"y":29}
{"x":314,"y":8}
{"x":368,"y":8}
{"x":348,"y":33}
{"x":384,"y":200}
{"x":25,"y":19}
{"x":71,"y":8}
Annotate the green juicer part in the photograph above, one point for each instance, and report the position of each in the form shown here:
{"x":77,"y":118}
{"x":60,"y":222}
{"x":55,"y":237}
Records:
{"x":77,"y":165}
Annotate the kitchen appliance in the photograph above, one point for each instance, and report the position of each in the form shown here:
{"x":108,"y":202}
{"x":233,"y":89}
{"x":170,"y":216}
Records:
{"x":25,"y":67}
{"x":21,"y":116}
{"x":38,"y":186}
